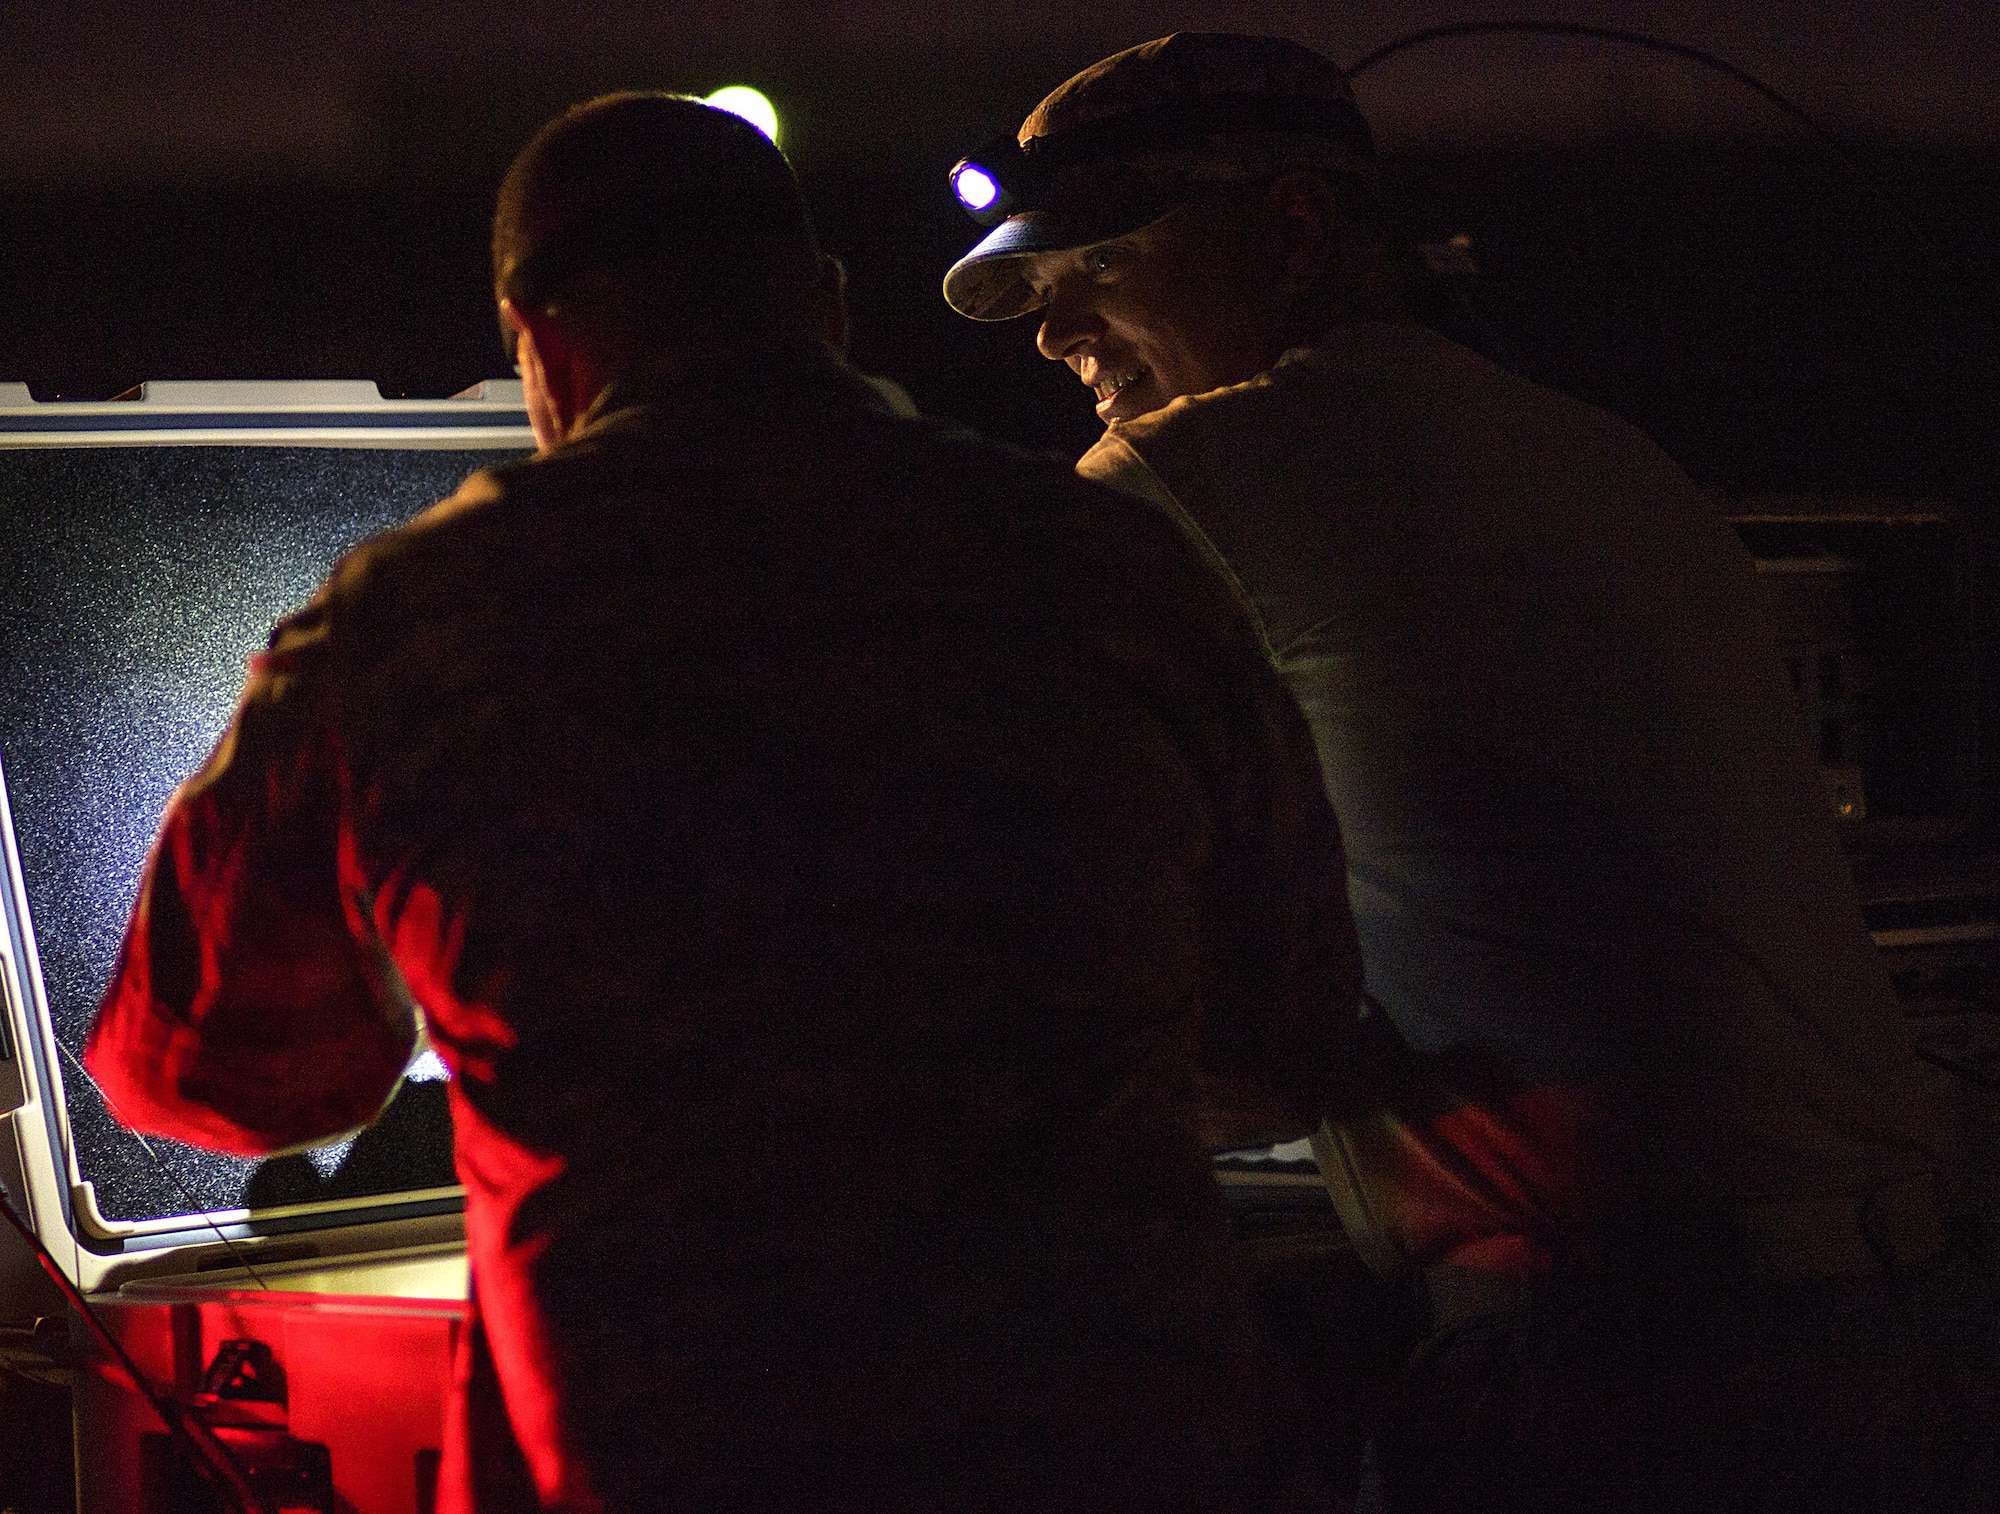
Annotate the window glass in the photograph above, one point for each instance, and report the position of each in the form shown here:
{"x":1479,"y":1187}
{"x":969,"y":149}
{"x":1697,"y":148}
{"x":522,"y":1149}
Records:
{"x":135,"y":582}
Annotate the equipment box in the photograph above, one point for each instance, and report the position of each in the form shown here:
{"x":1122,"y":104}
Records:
{"x":305,"y":1305}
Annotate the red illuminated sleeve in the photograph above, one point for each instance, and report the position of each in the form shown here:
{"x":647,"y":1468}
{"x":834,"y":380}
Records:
{"x":246,"y":1014}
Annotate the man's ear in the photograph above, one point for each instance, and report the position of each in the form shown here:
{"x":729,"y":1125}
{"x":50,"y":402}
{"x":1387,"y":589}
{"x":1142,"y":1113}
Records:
{"x":832,"y":294}
{"x":1306,"y":216}
{"x":559,"y":377}
{"x":531,"y":362}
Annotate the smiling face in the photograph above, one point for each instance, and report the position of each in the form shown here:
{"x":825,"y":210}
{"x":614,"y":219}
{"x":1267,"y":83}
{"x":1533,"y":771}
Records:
{"x":1196,"y":300}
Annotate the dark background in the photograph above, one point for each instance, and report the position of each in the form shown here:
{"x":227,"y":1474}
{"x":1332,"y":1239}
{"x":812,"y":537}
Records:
{"x":265,"y":191}
{"x":283,"y":190}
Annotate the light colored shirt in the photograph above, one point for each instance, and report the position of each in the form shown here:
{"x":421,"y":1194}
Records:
{"x":1592,"y":866}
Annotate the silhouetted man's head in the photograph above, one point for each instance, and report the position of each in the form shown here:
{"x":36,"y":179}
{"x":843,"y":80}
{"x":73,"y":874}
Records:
{"x":649,"y":232}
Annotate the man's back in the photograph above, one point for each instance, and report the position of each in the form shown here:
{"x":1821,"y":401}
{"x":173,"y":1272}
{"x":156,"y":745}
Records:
{"x":1595,"y":880}
{"x":828,"y":851}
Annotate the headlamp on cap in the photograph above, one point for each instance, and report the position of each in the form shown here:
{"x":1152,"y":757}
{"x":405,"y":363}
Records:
{"x":1003,"y":177}
{"x":1131,"y":137}
{"x":992,"y":183}
{"x":977,"y":190}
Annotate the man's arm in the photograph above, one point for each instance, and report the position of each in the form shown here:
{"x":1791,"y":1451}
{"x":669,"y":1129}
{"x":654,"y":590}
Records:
{"x":250,"y":1010}
{"x":1281,"y":1050}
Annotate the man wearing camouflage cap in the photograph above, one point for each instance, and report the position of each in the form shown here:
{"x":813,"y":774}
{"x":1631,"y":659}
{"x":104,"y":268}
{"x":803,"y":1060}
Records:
{"x":1645,"y":1088}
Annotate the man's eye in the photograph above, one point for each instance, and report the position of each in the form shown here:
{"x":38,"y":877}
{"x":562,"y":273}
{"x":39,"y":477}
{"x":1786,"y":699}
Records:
{"x":1101,"y":259}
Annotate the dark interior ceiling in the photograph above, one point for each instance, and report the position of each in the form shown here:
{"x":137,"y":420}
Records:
{"x":266,"y":190}
{"x":223,"y":90}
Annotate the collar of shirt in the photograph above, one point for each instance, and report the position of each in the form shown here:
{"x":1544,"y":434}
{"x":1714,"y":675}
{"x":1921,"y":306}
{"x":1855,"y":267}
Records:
{"x":711,"y":393}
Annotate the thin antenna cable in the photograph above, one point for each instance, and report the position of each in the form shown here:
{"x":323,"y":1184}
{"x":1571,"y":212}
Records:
{"x":1929,"y":242}
{"x":1641,"y":40}
{"x":195,"y":1206}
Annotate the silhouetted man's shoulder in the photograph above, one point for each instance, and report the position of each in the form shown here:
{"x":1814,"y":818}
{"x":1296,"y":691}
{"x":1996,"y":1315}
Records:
{"x":790,"y":501}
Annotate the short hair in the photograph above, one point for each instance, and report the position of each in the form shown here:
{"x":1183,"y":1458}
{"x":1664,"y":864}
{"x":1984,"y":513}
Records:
{"x":656,"y":220}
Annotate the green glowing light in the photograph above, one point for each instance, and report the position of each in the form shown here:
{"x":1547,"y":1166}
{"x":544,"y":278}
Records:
{"x":750,"y":104}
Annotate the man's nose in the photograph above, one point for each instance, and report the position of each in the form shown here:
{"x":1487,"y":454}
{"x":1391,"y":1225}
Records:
{"x":1068,"y":322}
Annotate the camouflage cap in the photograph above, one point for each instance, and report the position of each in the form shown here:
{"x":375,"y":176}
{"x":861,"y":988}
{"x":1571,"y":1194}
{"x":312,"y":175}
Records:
{"x":1131,"y":137}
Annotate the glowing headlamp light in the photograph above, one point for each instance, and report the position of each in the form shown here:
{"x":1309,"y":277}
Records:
{"x":977,"y":190}
{"x":981,"y":191}
{"x":995,"y":180}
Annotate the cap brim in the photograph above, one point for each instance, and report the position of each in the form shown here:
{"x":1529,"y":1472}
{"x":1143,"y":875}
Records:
{"x":989,"y":283}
